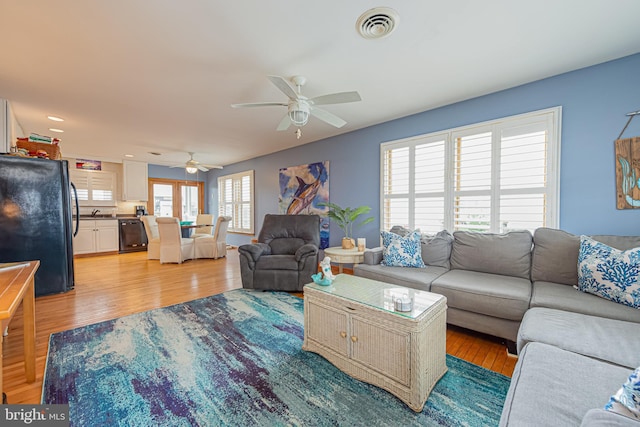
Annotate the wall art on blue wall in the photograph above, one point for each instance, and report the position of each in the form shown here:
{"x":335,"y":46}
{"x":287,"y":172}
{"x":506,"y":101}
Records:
{"x":628,"y":173}
{"x":302,"y":188}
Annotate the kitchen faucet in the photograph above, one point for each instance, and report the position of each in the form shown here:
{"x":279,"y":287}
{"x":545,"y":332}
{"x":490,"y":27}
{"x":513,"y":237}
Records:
{"x":95,"y":212}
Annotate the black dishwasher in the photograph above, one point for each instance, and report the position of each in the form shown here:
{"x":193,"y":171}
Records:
{"x":132,"y":235}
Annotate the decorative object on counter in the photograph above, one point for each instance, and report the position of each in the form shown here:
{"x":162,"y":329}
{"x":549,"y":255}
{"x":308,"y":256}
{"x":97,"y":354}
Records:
{"x":362,"y":244}
{"x":346,"y":219}
{"x":326,"y":276}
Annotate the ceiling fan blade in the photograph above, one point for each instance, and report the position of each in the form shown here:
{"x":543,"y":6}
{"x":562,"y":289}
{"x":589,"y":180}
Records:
{"x":336,"y":98}
{"x":202,"y":168}
{"x":213,"y":166}
{"x":259,"y":104}
{"x":284,"y":123}
{"x":284,"y":86}
{"x":327,"y":117}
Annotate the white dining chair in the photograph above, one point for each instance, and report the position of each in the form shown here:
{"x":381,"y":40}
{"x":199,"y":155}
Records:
{"x":153,"y":236}
{"x":173,"y":247}
{"x":214,"y":246}
{"x":203,"y":219}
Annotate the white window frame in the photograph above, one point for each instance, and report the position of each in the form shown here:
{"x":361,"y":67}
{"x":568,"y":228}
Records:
{"x":552,"y":188}
{"x":236,"y":205}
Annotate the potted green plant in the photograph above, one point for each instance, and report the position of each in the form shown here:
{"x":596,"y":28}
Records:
{"x":346,"y":219}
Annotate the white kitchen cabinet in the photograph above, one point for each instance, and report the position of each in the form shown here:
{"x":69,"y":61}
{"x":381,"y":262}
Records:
{"x":135,"y":185}
{"x":95,"y":188}
{"x":95,"y":236}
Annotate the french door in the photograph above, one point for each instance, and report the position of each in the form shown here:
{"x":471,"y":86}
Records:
{"x":173,"y":198}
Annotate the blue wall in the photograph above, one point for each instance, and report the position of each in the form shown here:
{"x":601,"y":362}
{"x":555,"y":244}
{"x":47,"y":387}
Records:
{"x":594,"y":103}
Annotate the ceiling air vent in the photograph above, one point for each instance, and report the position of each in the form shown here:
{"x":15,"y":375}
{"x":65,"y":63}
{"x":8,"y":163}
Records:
{"x":377,"y":23}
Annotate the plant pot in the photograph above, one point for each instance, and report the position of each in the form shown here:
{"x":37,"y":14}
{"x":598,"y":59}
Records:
{"x":348,"y":243}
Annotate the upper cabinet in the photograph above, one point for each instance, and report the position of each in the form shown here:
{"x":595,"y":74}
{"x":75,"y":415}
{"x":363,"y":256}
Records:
{"x":95,"y":188}
{"x":135,"y":183}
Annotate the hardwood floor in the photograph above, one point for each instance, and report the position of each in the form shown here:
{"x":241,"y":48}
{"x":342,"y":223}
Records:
{"x":113,"y":286}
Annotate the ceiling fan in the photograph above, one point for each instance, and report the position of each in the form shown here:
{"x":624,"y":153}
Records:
{"x":192,"y":166}
{"x":300,"y":107}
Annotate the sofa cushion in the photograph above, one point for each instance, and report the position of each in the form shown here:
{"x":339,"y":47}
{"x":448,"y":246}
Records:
{"x":614,"y":341}
{"x":563,"y":297}
{"x":598,"y":417}
{"x":609,"y":273}
{"x":416,"y":278}
{"x":399,"y":251}
{"x":555,"y":387}
{"x":277,"y":262}
{"x":506,"y":254}
{"x":436,"y":249}
{"x":626,"y":401}
{"x":555,"y":256}
{"x":506,"y":297}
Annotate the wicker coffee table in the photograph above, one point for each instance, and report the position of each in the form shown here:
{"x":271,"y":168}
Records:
{"x":352,"y":323}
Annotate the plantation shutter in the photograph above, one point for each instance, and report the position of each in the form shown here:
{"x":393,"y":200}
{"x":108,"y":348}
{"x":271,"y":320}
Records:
{"x":492,"y":177}
{"x":523,"y":176}
{"x":472,"y":182}
{"x":235,"y":199}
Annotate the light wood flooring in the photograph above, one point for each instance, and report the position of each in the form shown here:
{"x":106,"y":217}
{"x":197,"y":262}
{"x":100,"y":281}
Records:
{"x":112,"y":286}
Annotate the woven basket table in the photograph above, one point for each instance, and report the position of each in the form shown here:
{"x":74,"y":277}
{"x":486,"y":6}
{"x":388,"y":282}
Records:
{"x":352,"y":323}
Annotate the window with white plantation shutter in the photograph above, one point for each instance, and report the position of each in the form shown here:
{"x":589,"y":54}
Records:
{"x":235,"y":199}
{"x":495,"y":176}
{"x":94,"y":188}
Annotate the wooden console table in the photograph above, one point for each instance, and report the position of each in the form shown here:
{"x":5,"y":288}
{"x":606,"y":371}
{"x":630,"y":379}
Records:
{"x":16,"y":286}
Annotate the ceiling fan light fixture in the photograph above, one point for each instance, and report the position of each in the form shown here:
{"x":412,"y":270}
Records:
{"x":191,"y":169}
{"x":299,"y":113}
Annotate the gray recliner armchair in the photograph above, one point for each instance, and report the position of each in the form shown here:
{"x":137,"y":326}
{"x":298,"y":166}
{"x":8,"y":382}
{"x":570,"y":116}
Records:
{"x":285,"y":256}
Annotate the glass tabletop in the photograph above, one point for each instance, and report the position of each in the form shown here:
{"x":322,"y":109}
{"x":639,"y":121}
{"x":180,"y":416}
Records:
{"x":378,"y":294}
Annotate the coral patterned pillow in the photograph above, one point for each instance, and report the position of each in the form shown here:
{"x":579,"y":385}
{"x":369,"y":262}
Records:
{"x":401,"y":251}
{"x":627,"y":400}
{"x":608,"y":272}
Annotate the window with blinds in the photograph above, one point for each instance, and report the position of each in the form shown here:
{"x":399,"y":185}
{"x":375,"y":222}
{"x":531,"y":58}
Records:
{"x":95,"y":188}
{"x":235,"y":199}
{"x":494,"y":177}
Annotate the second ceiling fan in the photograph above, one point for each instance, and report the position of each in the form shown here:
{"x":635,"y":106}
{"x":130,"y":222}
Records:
{"x":300,"y":107}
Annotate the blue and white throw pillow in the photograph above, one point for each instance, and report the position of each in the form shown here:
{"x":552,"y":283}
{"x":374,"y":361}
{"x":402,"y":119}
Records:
{"x":608,"y":272}
{"x":399,"y":251}
{"x":627,"y":400}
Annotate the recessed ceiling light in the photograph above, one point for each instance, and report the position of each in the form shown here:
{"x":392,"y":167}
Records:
{"x":128,"y":155}
{"x":55,"y":119}
{"x":56,"y":130}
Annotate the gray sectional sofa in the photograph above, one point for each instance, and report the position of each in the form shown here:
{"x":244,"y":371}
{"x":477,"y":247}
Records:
{"x":575,"y":349}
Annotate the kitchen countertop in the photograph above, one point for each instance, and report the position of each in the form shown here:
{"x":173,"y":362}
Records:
{"x":106,"y":217}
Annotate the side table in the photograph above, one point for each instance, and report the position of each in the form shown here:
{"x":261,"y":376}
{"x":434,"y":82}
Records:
{"x":344,"y":256}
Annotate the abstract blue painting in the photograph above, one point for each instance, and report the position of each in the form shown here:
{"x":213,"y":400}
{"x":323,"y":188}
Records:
{"x":302,"y":188}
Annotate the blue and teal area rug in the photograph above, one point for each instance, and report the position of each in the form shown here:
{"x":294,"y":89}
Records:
{"x":235,"y":359}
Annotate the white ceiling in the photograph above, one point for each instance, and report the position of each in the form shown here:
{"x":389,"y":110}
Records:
{"x":133,"y":76}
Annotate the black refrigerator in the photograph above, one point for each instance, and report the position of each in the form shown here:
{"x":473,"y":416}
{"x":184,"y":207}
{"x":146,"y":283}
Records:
{"x":36,"y":219}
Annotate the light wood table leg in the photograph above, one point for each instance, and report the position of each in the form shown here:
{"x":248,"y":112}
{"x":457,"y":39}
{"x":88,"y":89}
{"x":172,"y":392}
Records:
{"x":340,"y":267}
{"x":28,"y":306}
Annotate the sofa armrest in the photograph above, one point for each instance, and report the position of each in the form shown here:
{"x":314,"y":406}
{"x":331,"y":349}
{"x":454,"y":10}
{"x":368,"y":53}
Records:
{"x":601,"y":418}
{"x":373,"y":256}
{"x":305,"y":251}
{"x":255,"y":250}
